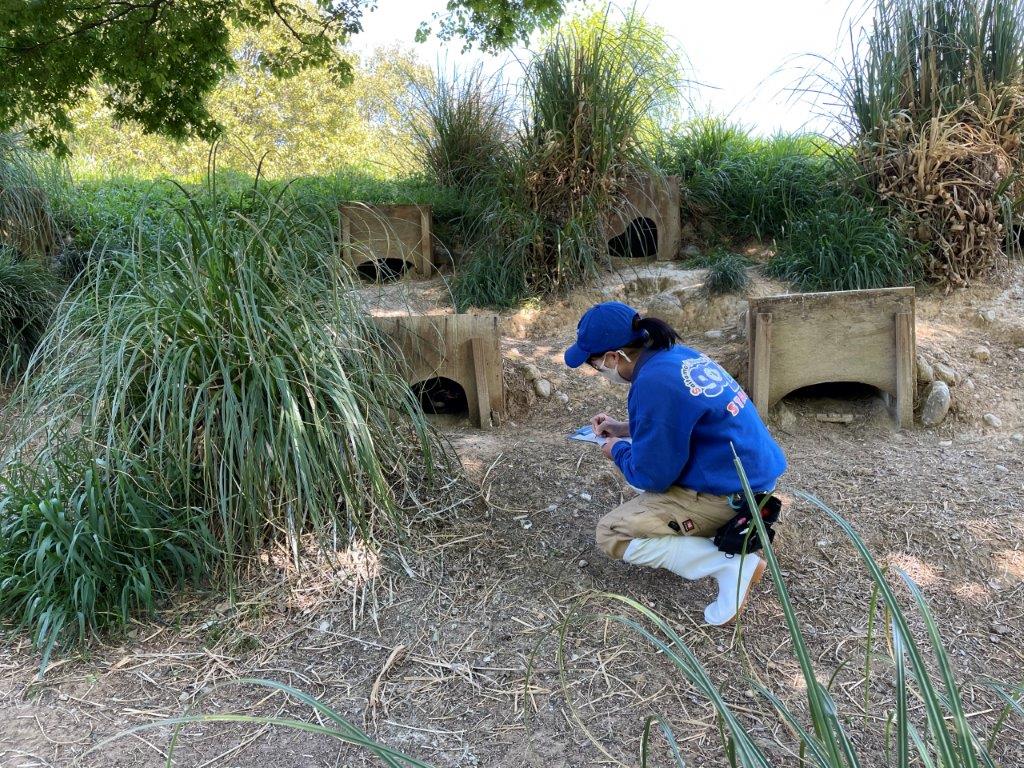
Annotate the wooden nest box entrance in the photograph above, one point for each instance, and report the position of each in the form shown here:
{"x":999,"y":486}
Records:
{"x":385,"y":242}
{"x":645,"y":223}
{"x":867,"y":337}
{"x":452,"y":362}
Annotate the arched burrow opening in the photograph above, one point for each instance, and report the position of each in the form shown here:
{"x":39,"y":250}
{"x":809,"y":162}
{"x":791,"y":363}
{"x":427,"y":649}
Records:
{"x":839,"y":393}
{"x":638,"y":241}
{"x":442,"y":396}
{"x":383,"y":270}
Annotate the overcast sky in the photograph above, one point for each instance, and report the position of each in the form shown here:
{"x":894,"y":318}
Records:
{"x":746,"y":54}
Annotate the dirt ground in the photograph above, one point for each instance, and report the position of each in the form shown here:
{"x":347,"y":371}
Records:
{"x":485,"y":641}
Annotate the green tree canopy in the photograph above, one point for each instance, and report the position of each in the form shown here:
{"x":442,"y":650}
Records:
{"x":157,"y":61}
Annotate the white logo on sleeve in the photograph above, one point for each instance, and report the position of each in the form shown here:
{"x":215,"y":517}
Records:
{"x":704,"y":377}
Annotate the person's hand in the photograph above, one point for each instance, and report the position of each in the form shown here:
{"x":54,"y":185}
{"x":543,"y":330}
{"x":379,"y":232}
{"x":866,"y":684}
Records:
{"x":598,"y":422}
{"x":605,"y":426}
{"x":606,"y":449}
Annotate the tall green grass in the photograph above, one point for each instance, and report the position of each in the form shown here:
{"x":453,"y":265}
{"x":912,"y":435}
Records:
{"x":846,"y":244}
{"x":925,"y":58}
{"x":746,"y":187}
{"x":590,"y":95}
{"x":28,"y":293}
{"x":462,"y":128}
{"x":27,"y":179}
{"x":192,"y":400}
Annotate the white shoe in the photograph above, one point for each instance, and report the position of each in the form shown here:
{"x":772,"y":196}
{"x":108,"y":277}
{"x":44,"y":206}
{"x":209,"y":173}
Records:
{"x":694,"y":557}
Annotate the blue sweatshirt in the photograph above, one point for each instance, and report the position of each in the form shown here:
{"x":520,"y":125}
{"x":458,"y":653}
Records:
{"x":684,"y":411}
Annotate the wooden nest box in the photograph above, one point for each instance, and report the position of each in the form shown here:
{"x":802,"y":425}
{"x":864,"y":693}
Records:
{"x":646,"y":222}
{"x":445,"y":350}
{"x":798,"y":340}
{"x":390,"y":240}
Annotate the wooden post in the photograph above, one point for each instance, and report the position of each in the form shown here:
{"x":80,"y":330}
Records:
{"x":483,"y":395}
{"x":760,"y":363}
{"x":425,"y":242}
{"x":905,"y":378}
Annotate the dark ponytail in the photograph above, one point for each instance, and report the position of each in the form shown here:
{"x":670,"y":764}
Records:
{"x":657,"y":334}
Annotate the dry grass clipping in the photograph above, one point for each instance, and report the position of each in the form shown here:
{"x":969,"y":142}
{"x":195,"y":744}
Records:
{"x":950,"y":177}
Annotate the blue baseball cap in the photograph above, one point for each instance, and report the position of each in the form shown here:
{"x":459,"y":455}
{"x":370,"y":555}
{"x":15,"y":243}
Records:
{"x":603,"y":328}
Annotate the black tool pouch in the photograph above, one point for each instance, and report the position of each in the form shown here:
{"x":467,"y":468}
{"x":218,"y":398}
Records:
{"x":732,"y":536}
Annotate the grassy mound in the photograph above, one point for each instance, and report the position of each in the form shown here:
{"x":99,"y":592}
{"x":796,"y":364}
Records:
{"x":191,"y":401}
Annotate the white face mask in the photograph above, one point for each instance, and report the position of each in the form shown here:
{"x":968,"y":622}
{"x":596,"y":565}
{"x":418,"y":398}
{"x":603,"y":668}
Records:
{"x":612,"y":374}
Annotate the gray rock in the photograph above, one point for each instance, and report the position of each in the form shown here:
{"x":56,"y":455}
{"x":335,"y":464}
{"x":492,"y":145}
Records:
{"x":664,"y":306}
{"x":945,"y":374}
{"x":542,"y":387}
{"x":691,"y":251}
{"x":562,"y":397}
{"x":531,"y":372}
{"x":713,"y":334}
{"x":969,"y":385}
{"x":987,"y":315}
{"x":981,"y":352}
{"x":936,"y":404}
{"x":785,"y":418}
{"x":992,"y":420}
{"x":925,"y":373}
{"x":1017,"y":437}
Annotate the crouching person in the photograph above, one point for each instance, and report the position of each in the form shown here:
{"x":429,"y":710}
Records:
{"x":686,"y":414}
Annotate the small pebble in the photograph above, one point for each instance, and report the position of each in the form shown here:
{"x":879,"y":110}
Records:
{"x":981,"y":352}
{"x":583,"y":563}
{"x":551,"y":508}
{"x":1001,"y":468}
{"x":585,"y":496}
{"x":1017,"y":437}
{"x":526,"y":523}
{"x":562,"y":397}
{"x":992,"y":420}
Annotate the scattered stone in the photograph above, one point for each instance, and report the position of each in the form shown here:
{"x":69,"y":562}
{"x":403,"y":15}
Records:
{"x":586,"y":496}
{"x":981,"y":352}
{"x":925,"y":373}
{"x":1000,"y":468}
{"x":987,"y":315}
{"x":691,"y":251}
{"x":992,"y":420}
{"x":526,"y":523}
{"x":551,"y":508}
{"x":713,"y":334}
{"x":945,"y":374}
{"x":1001,"y":629}
{"x":562,"y":397}
{"x":835,"y":418}
{"x":531,"y":372}
{"x":1017,"y":437}
{"x":969,"y":385}
{"x":324,"y":625}
{"x":584,"y":563}
{"x":542,"y":387}
{"x":945,"y":443}
{"x":936,"y":404}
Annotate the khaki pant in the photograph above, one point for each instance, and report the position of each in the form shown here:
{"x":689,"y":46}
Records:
{"x":677,"y":512}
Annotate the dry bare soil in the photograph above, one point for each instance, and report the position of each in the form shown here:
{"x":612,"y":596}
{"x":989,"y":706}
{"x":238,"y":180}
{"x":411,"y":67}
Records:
{"x":505,"y":657}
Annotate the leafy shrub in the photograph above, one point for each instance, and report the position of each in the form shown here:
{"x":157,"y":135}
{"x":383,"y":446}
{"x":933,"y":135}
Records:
{"x":845,"y":244}
{"x":28,"y":292}
{"x":226,"y":381}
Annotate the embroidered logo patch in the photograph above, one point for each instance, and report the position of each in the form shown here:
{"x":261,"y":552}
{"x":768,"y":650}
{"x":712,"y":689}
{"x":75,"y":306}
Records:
{"x":688,"y":525}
